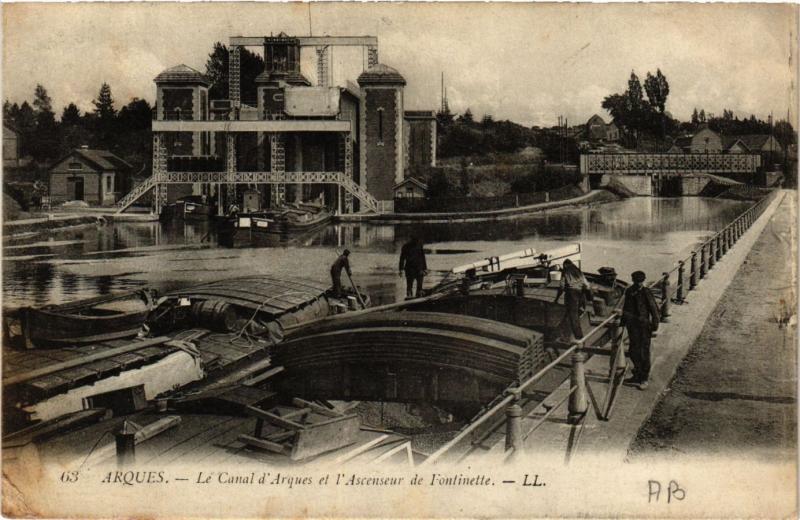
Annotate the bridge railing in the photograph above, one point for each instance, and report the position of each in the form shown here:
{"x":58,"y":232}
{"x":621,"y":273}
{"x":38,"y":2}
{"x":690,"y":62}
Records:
{"x":605,"y":338}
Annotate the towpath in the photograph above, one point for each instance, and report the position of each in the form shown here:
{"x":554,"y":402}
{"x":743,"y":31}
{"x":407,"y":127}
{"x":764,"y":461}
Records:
{"x":736,"y":389}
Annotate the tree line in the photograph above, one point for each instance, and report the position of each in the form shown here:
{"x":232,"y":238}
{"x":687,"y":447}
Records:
{"x":125,"y":132}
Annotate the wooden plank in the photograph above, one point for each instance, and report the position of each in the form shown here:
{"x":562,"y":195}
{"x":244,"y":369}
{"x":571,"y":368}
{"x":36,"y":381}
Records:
{"x":360,"y":449}
{"x":272,"y":418}
{"x":137,"y":345}
{"x":263,"y":444}
{"x":317,"y":408}
{"x":43,"y":430}
{"x":252,"y":381}
{"x":326,"y":436}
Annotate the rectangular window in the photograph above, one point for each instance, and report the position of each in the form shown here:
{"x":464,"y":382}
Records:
{"x":108,"y":184}
{"x":75,"y":166}
{"x":380,"y":125}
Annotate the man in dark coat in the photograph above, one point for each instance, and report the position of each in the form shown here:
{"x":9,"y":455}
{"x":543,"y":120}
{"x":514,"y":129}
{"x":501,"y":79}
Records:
{"x":413,"y":263}
{"x":640,"y":316}
{"x":342,"y":262}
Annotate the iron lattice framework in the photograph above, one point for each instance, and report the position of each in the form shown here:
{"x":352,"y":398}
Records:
{"x":347,"y":157}
{"x":278,"y":161}
{"x":234,"y":86}
{"x":669,"y":163}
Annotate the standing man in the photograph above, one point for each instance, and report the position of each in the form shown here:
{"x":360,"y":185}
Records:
{"x":342,"y":262}
{"x":412,"y":261}
{"x":576,"y":290}
{"x":640,"y":316}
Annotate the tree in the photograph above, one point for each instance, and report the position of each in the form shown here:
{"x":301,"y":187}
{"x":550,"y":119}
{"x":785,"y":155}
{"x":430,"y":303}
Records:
{"x":26,"y":126}
{"x":71,"y":115}
{"x":463,"y":175}
{"x":487,"y":120}
{"x":42,"y":101}
{"x":104,"y":104}
{"x":657,"y":89}
{"x":695,"y":117}
{"x":702,"y":116}
{"x":467,"y":117}
{"x":250,"y":66}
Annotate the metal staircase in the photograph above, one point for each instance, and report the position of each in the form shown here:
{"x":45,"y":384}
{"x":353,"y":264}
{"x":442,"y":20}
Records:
{"x":368,"y":202}
{"x":125,"y":202}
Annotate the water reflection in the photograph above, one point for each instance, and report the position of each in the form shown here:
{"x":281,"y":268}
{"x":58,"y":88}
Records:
{"x":640,"y":233}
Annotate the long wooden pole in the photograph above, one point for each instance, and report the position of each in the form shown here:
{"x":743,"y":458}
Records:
{"x":358,"y":294}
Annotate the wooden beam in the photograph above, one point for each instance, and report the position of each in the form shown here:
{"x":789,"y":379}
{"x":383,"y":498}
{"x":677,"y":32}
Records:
{"x":314,"y":406}
{"x":263,"y":443}
{"x":273,"y":419}
{"x":57,"y":367}
{"x":261,"y":377}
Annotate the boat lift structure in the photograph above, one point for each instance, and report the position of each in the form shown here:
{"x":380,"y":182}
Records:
{"x":275,"y":127}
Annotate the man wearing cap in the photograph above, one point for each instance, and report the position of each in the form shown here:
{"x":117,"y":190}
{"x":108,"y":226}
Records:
{"x":413,"y":263}
{"x":342,"y":262}
{"x":640,"y":317}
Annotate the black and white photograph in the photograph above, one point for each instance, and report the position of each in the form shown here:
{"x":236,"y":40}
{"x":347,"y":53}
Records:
{"x":399,"y":259}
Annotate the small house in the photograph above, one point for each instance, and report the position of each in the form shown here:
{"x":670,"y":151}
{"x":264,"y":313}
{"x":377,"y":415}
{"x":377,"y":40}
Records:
{"x":410,"y":188}
{"x":761,"y":143}
{"x":704,"y":140}
{"x":88,"y":175}
{"x":10,"y":147}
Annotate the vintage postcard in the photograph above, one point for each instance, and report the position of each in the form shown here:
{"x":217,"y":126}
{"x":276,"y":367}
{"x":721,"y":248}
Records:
{"x":383,"y":259}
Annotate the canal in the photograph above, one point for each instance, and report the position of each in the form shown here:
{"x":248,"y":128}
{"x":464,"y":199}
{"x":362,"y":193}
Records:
{"x":640,"y":233}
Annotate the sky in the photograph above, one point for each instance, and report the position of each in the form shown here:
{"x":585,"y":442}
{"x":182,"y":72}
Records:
{"x":528,"y":63}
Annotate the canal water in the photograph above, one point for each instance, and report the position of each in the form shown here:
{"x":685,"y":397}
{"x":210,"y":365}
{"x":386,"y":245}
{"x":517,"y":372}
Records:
{"x":650,"y":234}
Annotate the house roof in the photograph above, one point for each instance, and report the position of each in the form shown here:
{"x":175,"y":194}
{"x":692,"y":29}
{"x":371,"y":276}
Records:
{"x":595,"y":119}
{"x":182,"y":74}
{"x":381,"y":74}
{"x":683,"y":141}
{"x":102,"y":159}
{"x":412,"y":180}
{"x":754,"y":142}
{"x":728,"y":141}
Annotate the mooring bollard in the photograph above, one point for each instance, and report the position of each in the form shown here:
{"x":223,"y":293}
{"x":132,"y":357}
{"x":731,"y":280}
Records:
{"x":126,"y":445}
{"x":679,"y":290}
{"x":693,"y":272}
{"x":514,"y":426}
{"x":578,"y":402}
{"x":703,"y":261}
{"x":665,"y":297}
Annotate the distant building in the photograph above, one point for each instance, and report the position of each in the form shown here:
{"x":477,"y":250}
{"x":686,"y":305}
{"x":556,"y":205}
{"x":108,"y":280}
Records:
{"x":410,"y":188}
{"x":761,"y":143}
{"x":704,"y":140}
{"x":733,"y":144}
{"x":420,"y":140}
{"x":10,"y":147}
{"x":88,"y":175}
{"x":598,"y":130}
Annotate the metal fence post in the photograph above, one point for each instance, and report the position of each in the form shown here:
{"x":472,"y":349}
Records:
{"x":578,"y":402}
{"x":703,"y":261}
{"x":711,"y":255}
{"x":718,"y":247}
{"x":665,"y":297}
{"x":724,"y":239}
{"x":693,"y":272}
{"x":681,"y":281}
{"x":514,"y":425}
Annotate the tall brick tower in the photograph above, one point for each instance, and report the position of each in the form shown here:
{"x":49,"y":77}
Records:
{"x":381,"y":130}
